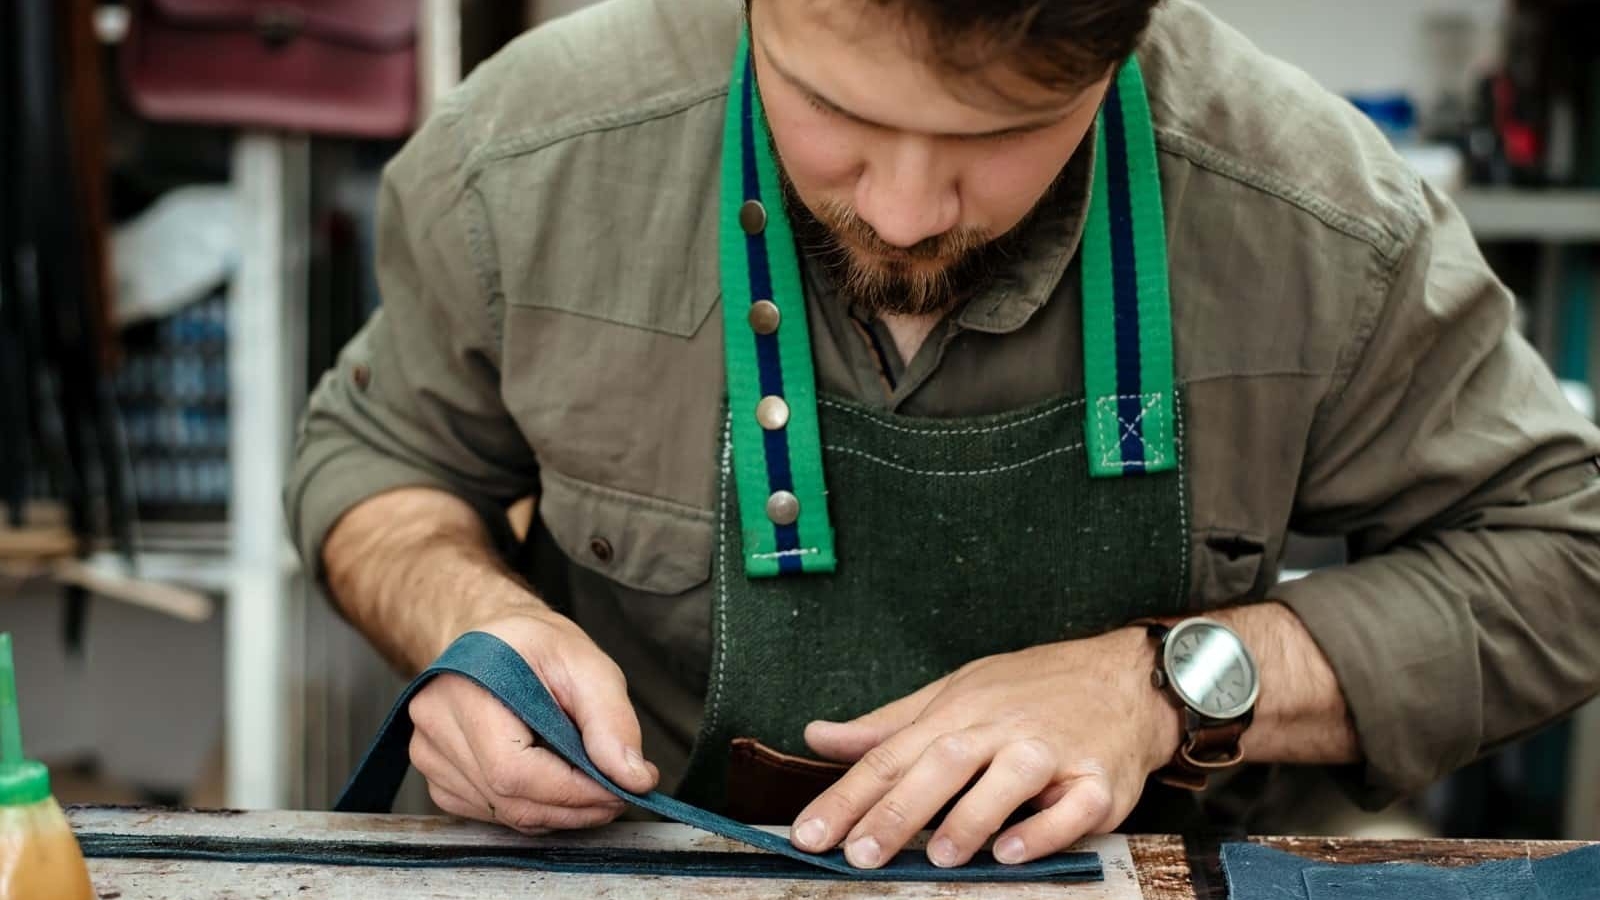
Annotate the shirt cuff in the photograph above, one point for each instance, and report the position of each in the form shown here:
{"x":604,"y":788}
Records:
{"x":1404,"y":650}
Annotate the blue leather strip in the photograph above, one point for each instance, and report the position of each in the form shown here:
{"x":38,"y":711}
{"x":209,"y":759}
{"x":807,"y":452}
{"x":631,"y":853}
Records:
{"x":586,"y":860}
{"x":1259,"y":873}
{"x":495,"y":666}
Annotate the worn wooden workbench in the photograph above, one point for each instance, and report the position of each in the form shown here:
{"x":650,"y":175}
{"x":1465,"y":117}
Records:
{"x":1151,"y":867}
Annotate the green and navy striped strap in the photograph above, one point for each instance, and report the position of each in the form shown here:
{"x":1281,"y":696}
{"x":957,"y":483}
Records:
{"x":776,"y":444}
{"x":772,"y":394}
{"x":1127,"y":311}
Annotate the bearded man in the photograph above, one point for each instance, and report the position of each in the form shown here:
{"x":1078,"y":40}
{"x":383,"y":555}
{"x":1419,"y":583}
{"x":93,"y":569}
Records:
{"x":917,"y":395}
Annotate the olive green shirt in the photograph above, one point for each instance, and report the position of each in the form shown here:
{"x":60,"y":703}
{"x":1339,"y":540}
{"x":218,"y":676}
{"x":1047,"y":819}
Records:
{"x":548,"y":257}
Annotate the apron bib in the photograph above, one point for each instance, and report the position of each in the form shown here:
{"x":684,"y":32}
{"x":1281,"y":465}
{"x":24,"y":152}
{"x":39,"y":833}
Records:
{"x":860,"y":554}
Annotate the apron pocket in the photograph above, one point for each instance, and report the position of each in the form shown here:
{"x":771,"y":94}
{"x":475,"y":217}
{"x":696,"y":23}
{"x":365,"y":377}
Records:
{"x":635,"y":541}
{"x":1227,"y":563}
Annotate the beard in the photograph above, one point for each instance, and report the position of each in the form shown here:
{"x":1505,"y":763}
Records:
{"x":933,"y":276}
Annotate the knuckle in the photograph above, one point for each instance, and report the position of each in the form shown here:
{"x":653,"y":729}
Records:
{"x":893,"y":814}
{"x":568,"y":791}
{"x":883,"y":763}
{"x":415,"y":751}
{"x":503,"y":778}
{"x":421,"y":711}
{"x":524,"y":816}
{"x":1030,"y":759}
{"x":1094,"y":800}
{"x":952,"y":749}
{"x":448,"y":802}
{"x":571,"y":819}
{"x":843,"y":802}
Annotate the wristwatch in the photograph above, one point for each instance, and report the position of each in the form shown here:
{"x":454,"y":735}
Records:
{"x":1207,"y":672}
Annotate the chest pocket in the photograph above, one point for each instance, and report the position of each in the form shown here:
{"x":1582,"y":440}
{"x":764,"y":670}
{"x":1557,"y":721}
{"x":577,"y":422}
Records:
{"x":639,"y":542}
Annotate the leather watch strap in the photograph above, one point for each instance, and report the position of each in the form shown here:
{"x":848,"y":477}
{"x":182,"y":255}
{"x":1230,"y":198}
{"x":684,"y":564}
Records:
{"x":1208,"y":745}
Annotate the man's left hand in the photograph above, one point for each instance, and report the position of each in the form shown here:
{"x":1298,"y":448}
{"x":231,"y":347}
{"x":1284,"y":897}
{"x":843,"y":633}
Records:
{"x":1072,"y":728}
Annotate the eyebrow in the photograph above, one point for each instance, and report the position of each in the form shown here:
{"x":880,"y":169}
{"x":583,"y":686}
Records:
{"x":811,"y":92}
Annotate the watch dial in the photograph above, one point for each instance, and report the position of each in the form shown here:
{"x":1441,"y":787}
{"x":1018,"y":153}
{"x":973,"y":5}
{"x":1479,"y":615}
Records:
{"x":1212,"y":670}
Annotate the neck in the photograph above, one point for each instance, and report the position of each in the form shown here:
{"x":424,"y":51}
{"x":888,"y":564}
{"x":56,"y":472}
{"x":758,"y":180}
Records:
{"x":910,"y":332}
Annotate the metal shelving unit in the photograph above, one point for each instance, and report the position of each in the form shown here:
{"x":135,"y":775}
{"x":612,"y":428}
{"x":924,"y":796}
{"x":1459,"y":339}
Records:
{"x":1546,"y":216}
{"x":266,"y":590}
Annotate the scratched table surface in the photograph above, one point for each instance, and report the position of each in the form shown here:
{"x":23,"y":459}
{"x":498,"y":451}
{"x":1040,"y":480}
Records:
{"x":1137,"y":867}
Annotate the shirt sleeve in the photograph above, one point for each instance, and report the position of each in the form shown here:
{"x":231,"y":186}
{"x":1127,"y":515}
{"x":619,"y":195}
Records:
{"x":1466,"y":487}
{"x":414,"y":399}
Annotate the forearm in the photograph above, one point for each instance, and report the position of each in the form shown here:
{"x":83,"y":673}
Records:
{"x":414,"y":568}
{"x":1300,"y":716}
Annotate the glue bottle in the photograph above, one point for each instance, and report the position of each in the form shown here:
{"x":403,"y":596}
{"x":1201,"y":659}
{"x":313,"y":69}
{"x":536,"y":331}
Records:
{"x":39,"y":857}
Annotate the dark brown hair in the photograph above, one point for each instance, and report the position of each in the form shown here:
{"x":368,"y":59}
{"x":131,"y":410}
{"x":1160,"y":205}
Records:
{"x":1062,"y":45}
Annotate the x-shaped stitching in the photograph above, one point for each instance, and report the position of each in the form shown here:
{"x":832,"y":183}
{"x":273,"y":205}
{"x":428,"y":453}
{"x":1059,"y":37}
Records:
{"x":1129,"y":427}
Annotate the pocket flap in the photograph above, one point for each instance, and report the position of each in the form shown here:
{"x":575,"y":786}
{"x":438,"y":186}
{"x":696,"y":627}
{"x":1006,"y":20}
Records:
{"x":639,"y":542}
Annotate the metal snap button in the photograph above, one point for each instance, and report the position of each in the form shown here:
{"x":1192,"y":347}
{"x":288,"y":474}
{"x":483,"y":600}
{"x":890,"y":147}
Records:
{"x":765,"y":317}
{"x":753,"y":217}
{"x":772,"y":413}
{"x":783,"y":508}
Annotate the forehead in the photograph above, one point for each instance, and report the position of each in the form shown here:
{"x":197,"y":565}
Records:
{"x":880,"y":50}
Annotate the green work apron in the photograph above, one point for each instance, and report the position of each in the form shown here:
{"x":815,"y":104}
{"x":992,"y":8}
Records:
{"x":861,"y":555}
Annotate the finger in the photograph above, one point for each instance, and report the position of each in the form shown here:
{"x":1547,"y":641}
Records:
{"x":504,"y":762}
{"x":537,"y":775}
{"x":446,"y":775}
{"x":529,"y":817}
{"x":1020,"y":772}
{"x":1086,"y":808}
{"x":453,"y":805}
{"x":827,"y":819}
{"x":848,"y":741}
{"x":599,"y":706}
{"x":942,"y":771}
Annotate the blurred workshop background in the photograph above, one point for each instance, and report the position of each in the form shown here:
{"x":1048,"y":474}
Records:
{"x":206,"y":257}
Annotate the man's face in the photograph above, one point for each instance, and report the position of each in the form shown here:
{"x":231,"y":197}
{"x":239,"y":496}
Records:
{"x":911,"y":179}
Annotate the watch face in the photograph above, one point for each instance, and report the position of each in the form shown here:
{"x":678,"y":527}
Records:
{"x":1211,"y":669}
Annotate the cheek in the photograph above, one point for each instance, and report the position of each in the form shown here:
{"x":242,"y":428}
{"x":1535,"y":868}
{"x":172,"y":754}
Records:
{"x":820,"y":154}
{"x":1002,"y":186}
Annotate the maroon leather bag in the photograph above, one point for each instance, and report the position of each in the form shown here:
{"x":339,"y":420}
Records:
{"x":344,"y":67}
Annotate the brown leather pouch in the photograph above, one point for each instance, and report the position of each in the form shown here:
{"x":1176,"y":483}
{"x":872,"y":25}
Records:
{"x":766,"y":787}
{"x":345,"y":67}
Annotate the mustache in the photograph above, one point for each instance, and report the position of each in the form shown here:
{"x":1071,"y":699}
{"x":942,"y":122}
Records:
{"x":848,"y":228}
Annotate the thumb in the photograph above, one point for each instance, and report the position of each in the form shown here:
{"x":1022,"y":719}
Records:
{"x":847,"y":742}
{"x":610,"y":729}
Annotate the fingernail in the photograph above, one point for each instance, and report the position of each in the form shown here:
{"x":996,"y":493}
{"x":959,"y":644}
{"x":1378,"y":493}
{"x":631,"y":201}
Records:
{"x":943,"y":852}
{"x":864,"y":853}
{"x":1010,"y":850}
{"x":811,"y":833}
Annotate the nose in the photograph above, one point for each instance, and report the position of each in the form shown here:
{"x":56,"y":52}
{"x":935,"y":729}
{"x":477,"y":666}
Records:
{"x":904,"y":194}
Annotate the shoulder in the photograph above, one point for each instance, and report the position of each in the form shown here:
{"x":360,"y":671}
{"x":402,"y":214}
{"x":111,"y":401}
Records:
{"x":610,"y":66}
{"x":1233,"y":112}
{"x":1286,"y":207}
{"x":608,"y":69}
{"x":603,"y":125}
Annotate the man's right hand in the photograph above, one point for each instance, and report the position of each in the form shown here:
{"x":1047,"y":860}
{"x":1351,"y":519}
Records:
{"x":481,"y":762}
